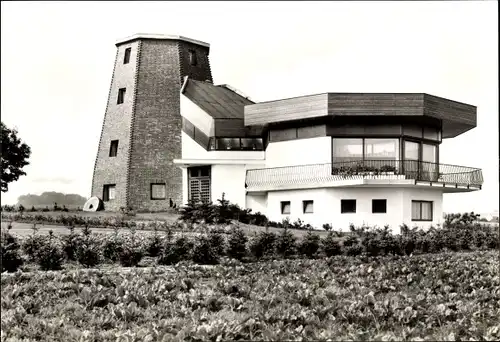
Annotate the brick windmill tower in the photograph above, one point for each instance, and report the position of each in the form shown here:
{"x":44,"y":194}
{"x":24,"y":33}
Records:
{"x":141,"y":132}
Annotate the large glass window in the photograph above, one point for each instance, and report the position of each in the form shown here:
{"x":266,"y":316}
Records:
{"x":345,"y":150}
{"x":382,"y":149}
{"x":429,"y":153}
{"x":411,"y":150}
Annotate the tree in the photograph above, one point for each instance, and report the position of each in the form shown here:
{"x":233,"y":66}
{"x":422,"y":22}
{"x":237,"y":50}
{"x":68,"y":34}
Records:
{"x":15,"y":154}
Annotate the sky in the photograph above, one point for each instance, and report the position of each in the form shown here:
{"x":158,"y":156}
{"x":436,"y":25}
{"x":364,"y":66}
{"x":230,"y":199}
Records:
{"x":57,"y":60}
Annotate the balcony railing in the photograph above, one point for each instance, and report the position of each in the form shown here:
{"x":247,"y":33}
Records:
{"x":356,"y":169}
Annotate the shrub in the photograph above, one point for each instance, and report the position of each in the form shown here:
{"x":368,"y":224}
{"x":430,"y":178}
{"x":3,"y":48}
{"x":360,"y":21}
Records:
{"x":217,"y":241}
{"x":88,"y":253}
{"x":330,"y":245}
{"x":327,"y":227}
{"x":50,"y":256}
{"x":263,"y":244}
{"x":204,"y":252}
{"x":21,"y":208}
{"x":10,"y":257}
{"x":173,"y":252}
{"x":222,"y":212}
{"x":237,"y":243}
{"x":71,"y":243}
{"x":310,"y":244}
{"x":131,"y":253}
{"x":33,"y":243}
{"x":33,"y":209}
{"x":112,"y":246}
{"x":154,"y":245}
{"x":8,"y":208}
{"x":352,"y":246}
{"x":196,"y":212}
{"x":286,"y":243}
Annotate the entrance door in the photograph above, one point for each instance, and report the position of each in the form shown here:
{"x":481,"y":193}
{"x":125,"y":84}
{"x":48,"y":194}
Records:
{"x":199,"y":183}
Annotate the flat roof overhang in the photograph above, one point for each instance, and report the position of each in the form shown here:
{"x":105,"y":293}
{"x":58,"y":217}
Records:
{"x":365,"y":183}
{"x":456,"y":117}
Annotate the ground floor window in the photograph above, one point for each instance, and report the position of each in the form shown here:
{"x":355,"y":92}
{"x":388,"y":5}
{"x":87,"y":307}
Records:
{"x":199,"y":183}
{"x":158,"y":191}
{"x":307,"y":207}
{"x":421,"y":210}
{"x":379,"y":206}
{"x":285,"y":207}
{"x":347,"y":206}
{"x":108,"y":192}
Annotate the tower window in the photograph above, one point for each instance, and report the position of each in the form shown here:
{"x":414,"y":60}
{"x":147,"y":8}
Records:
{"x":121,"y":95}
{"x":347,"y":206}
{"x":126,"y":57}
{"x":113,"y":148}
{"x":192,"y":58}
{"x":158,"y":191}
{"x":379,"y":206}
{"x":108,"y":192}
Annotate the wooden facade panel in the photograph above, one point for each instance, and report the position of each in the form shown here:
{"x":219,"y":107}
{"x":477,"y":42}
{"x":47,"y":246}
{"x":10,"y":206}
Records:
{"x":375,"y":104}
{"x":286,"y":110}
{"x":456,"y":117}
{"x":450,"y":110}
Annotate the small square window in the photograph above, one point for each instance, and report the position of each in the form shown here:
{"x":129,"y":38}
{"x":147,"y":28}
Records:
{"x":307,"y":207}
{"x":158,"y":191}
{"x":421,"y":210}
{"x":192,"y":58}
{"x":347,"y":206}
{"x":126,"y":57}
{"x":285,"y":207}
{"x":121,"y":95}
{"x":379,"y":206}
{"x":109,"y":192}
{"x":113,"y":148}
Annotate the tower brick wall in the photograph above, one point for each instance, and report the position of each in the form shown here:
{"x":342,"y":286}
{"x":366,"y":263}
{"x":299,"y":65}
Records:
{"x":148,"y":123}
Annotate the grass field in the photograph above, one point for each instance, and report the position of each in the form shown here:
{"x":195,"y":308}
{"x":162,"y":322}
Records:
{"x":22,"y":228}
{"x":440,"y":297}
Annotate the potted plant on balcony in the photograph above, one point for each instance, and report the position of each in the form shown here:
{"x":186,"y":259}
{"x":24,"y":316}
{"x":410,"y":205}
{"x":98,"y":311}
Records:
{"x":387,"y":170}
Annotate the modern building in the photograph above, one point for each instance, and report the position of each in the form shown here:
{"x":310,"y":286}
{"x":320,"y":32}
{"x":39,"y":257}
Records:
{"x":336,"y":158}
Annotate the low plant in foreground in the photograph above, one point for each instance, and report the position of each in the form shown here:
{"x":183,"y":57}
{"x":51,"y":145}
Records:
{"x":330,"y":245}
{"x":50,"y":256}
{"x":263,"y":244}
{"x":89,"y":252}
{"x":10,"y":252}
{"x":175,"y":251}
{"x":380,"y":298}
{"x":237,"y":243}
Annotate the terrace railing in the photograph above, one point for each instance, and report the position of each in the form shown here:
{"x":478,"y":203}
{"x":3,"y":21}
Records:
{"x":375,"y":169}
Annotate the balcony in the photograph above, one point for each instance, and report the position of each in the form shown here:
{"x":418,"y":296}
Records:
{"x":368,"y":172}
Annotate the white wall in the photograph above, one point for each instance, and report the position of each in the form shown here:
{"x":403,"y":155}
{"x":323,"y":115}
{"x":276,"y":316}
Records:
{"x":299,"y":152}
{"x":197,"y":116}
{"x":327,"y":206}
{"x":229,"y":179}
{"x":257,"y":202}
{"x":316,"y":219}
{"x":192,"y":150}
